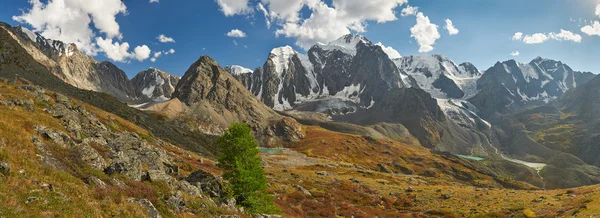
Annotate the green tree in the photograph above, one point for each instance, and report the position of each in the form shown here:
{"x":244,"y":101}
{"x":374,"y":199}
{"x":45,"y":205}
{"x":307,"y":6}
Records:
{"x":240,"y":160}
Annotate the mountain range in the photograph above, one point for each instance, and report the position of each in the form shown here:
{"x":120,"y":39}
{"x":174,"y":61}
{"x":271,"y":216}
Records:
{"x":512,"y":126}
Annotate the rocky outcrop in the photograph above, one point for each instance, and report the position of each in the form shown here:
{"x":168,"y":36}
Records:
{"x":216,"y":99}
{"x":207,"y":183}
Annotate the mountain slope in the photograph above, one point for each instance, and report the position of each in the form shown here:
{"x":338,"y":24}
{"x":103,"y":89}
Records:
{"x":351,"y":69}
{"x":216,"y":99}
{"x":75,"y":68}
{"x":511,"y":84}
{"x":16,"y":63}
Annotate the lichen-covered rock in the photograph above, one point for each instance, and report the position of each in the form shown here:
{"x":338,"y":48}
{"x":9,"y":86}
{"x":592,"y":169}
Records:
{"x":148,"y":206}
{"x":207,"y":183}
{"x":4,"y":168}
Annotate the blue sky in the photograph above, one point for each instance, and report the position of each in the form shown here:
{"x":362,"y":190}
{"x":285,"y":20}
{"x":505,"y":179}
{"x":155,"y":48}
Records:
{"x":485,"y":29}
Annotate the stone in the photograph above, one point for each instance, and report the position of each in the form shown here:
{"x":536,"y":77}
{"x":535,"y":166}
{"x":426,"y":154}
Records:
{"x":148,"y":206}
{"x":91,"y":157}
{"x":206,"y":182}
{"x":92,"y":180}
{"x":176,"y":201}
{"x":266,"y":216}
{"x":303,"y":190}
{"x":4,"y":168}
{"x":62,"y":99}
{"x":188,"y":188}
{"x":446,"y":196}
{"x":229,"y":203}
{"x":355,"y":180}
{"x":323,"y":173}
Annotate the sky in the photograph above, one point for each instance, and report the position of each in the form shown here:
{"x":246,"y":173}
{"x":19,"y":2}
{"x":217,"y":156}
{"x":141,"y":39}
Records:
{"x":172,"y":34}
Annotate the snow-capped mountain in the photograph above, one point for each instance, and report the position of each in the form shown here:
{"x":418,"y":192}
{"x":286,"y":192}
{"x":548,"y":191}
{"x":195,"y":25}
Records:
{"x":351,"y":71}
{"x":440,"y":76}
{"x":512,"y":84}
{"x":155,"y":84}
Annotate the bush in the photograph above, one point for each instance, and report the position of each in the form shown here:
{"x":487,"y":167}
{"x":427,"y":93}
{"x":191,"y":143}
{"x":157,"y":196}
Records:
{"x":239,"y":158}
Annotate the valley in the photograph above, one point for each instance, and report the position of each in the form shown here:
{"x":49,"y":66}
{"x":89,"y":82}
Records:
{"x":344,"y":130}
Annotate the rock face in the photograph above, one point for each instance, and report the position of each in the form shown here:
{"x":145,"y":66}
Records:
{"x":351,"y":69}
{"x":440,"y":76}
{"x":511,"y":84}
{"x":216,"y":98}
{"x":66,"y":62}
{"x":155,"y":84}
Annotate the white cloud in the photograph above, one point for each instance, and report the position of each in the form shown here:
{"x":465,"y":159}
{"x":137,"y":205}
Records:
{"x":391,"y":52}
{"x":262,"y":8}
{"x":592,"y":30}
{"x":70,"y":20}
{"x":450,"y":27}
{"x":565,"y":35}
{"x":518,"y":36}
{"x":539,"y":38}
{"x":598,"y":10}
{"x":157,"y":54}
{"x":153,"y":1}
{"x":535,"y":38}
{"x":425,"y":32}
{"x":235,"y":33}
{"x":141,"y":53}
{"x":115,"y":51}
{"x":119,"y":52}
{"x":164,"y":39}
{"x":515,"y":53}
{"x":409,"y":11}
{"x":235,"y":42}
{"x":234,"y":7}
{"x":327,"y":23}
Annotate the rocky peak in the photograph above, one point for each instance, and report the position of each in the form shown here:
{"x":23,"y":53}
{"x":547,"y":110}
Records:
{"x":215,"y":97}
{"x":347,"y":44}
{"x":155,"y":84}
{"x":237,"y":70}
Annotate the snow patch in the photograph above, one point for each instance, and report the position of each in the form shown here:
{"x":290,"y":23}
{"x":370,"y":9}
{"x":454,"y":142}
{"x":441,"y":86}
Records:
{"x":239,"y":70}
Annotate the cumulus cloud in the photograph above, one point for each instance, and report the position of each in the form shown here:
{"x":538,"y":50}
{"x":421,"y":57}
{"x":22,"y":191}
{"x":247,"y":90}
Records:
{"x":71,"y":20}
{"x":116,"y":51}
{"x":598,"y":10}
{"x":327,"y":23}
{"x":119,"y":52}
{"x":538,"y":38}
{"x":409,"y":11}
{"x":425,"y":32}
{"x":157,"y":54}
{"x":565,"y":35}
{"x":164,"y":39}
{"x":592,"y":30}
{"x":235,"y":33}
{"x":391,"y":52}
{"x":450,"y":27}
{"x":515,"y":53}
{"x":234,"y":7}
{"x":518,"y":36}
{"x":153,"y":1}
{"x":535,"y":38}
{"x":141,"y":53}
